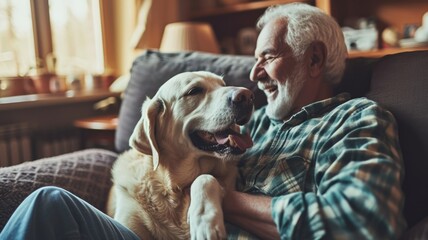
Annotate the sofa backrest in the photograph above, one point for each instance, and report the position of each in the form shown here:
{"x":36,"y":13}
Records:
{"x":399,"y":82}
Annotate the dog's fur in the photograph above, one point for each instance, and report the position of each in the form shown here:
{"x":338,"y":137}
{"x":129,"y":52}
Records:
{"x":167,"y":161}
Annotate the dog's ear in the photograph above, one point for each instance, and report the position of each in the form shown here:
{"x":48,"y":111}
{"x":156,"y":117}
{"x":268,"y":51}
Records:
{"x":143,"y":139}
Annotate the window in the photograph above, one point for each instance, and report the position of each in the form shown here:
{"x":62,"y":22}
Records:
{"x":50,"y":35}
{"x":17,"y":53}
{"x":76,"y":35}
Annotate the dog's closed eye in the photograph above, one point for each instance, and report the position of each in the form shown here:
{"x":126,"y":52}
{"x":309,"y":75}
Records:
{"x":194,"y":91}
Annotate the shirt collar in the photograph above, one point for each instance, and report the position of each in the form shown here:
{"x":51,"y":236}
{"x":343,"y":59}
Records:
{"x":316,"y":109}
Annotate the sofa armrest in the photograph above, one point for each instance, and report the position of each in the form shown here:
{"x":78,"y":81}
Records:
{"x":85,"y":173}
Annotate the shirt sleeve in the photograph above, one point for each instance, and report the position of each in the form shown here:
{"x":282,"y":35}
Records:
{"x":358,"y":173}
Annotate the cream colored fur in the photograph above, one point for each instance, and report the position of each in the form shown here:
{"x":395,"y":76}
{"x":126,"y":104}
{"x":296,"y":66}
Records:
{"x":156,"y":179}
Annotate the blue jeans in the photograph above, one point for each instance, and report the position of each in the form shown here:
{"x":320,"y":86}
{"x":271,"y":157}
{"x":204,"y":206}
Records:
{"x":54,"y":213}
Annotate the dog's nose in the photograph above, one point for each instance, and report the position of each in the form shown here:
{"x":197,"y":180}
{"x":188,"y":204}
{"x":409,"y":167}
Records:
{"x":242,"y":96}
{"x":242,"y":103}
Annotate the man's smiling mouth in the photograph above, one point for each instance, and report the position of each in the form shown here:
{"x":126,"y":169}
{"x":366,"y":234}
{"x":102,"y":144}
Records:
{"x":269,"y":90}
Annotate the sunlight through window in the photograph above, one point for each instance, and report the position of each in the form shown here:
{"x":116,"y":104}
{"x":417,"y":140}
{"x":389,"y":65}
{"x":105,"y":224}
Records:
{"x":17,"y":53}
{"x":77,"y":36}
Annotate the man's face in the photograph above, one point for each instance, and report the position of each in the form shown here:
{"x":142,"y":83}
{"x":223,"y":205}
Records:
{"x":278,"y":73}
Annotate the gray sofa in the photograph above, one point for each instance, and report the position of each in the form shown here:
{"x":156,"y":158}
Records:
{"x":399,"y":82}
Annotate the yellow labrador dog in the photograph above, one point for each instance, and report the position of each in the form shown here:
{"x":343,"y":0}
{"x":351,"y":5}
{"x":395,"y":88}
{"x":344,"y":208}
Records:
{"x":185,"y":140}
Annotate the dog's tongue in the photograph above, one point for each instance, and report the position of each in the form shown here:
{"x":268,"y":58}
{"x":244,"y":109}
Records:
{"x":242,"y":141}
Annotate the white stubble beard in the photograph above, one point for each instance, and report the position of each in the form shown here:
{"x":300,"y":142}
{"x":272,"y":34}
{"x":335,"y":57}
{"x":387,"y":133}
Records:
{"x":282,"y":105}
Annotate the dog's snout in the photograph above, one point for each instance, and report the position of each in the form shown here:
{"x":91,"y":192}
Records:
{"x":242,"y":96}
{"x":242,"y":103}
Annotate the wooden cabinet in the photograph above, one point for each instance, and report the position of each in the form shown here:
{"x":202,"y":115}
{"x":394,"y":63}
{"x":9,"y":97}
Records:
{"x":228,"y":20}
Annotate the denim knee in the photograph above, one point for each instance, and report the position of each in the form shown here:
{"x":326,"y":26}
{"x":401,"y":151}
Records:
{"x":48,"y":196}
{"x":48,"y":190}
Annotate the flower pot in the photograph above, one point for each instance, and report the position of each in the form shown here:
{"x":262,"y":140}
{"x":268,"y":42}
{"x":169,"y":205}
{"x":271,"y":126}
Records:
{"x":13,"y":86}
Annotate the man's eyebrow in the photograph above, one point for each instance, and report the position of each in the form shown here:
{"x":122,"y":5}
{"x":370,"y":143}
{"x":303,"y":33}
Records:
{"x":265,"y":52}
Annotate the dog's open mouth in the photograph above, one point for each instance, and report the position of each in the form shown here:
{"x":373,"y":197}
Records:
{"x":225,"y":141}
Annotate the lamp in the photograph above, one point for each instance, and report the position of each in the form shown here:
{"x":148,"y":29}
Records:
{"x":189,"y":36}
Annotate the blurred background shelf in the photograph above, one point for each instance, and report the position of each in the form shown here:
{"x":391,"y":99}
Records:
{"x":383,"y":52}
{"x":394,"y":14}
{"x":238,"y":7}
{"x":228,"y":20}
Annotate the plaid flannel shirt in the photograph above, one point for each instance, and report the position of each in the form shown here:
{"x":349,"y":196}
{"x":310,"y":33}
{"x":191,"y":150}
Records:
{"x":334,"y":170}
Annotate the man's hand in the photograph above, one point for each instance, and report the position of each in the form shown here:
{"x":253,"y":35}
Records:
{"x":250,"y":212}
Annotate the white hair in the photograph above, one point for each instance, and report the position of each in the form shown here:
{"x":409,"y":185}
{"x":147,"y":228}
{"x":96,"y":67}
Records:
{"x":307,"y":24}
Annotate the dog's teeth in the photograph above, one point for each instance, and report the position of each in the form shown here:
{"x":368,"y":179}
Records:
{"x":232,"y":143}
{"x":209,"y":137}
{"x":235,"y":127}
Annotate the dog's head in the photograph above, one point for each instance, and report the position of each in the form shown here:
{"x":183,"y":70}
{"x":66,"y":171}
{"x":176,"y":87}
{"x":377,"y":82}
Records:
{"x":192,"y":115}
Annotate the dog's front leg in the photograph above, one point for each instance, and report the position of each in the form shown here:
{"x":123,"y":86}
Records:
{"x":205,"y":215}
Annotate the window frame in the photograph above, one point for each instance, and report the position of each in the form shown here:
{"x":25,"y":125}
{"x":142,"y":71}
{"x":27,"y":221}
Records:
{"x":41,"y":28}
{"x":43,"y":34}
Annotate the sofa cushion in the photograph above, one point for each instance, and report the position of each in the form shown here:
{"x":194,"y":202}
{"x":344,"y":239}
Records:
{"x":400,"y":83}
{"x":85,"y":173}
{"x":152,"y":69}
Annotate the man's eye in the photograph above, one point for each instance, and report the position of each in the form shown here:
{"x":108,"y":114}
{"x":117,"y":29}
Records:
{"x":195,"y":91}
{"x":265,"y":60}
{"x":269,"y":58}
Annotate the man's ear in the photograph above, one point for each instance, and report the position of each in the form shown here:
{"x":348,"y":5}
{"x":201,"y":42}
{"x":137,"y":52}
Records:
{"x":317,"y":53}
{"x":143,"y":139}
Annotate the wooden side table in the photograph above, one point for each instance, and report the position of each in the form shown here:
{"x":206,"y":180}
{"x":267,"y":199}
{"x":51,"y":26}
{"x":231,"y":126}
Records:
{"x":98,"y":131}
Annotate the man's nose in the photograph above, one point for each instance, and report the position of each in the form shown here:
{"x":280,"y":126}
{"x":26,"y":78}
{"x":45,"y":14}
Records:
{"x":257,"y":73}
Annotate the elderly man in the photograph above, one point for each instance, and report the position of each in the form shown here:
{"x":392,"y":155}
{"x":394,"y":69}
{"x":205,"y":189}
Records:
{"x":322,"y":166}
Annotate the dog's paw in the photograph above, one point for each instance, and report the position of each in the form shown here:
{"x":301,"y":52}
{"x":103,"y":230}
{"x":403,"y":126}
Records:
{"x":207,"y":226}
{"x":205,"y":215}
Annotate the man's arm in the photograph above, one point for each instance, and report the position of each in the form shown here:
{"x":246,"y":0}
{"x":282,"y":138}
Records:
{"x":250,"y":212}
